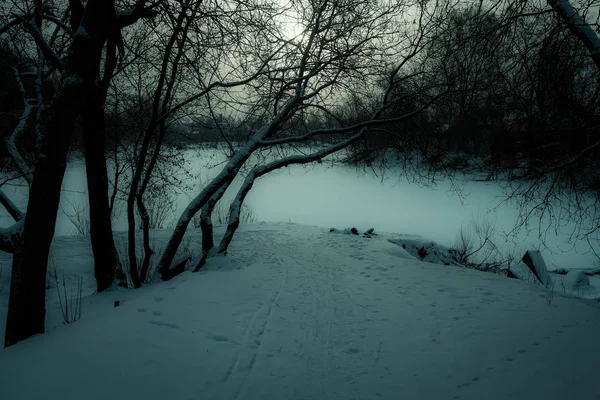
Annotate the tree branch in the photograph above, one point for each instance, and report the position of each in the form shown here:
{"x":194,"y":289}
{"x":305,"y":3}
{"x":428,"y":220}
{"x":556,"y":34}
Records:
{"x":49,"y":53}
{"x":130,"y":16}
{"x":8,"y":236}
{"x":11,"y":207}
{"x":10,"y":141}
{"x":578,"y":27}
{"x":236,"y":205}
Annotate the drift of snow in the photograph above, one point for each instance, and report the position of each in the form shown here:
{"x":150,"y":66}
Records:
{"x":576,"y":280}
{"x":295,"y":312}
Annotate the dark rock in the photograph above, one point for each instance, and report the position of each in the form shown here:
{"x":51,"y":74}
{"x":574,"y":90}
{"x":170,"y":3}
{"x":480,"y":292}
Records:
{"x":370,"y":233}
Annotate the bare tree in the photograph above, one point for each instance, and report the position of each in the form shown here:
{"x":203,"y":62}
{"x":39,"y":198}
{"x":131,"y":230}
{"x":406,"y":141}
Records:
{"x":345,"y":45}
{"x":97,"y":23}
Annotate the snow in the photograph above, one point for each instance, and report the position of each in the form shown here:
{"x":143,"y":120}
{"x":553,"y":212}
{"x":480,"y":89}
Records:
{"x":576,"y":280}
{"x":297,"y":312}
{"x":339,"y":196}
{"x":540,"y":267}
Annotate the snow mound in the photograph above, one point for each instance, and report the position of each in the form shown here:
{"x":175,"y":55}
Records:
{"x":425,"y":250}
{"x":576,"y":281}
{"x":522,"y":272}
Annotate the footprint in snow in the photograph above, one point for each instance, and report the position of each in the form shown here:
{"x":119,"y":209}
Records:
{"x":159,"y":299}
{"x":165,"y":324}
{"x":156,"y":313}
{"x":220,"y":338}
{"x":142,"y":310}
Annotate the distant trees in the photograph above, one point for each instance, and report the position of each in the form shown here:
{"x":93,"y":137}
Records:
{"x":521,"y":84}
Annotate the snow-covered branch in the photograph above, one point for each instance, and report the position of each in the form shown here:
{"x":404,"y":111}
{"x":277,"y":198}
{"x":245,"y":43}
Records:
{"x":578,"y":27}
{"x":11,"y":207}
{"x":236,"y":205}
{"x":49,"y":53}
{"x":11,"y":145}
{"x":8,"y":236}
{"x":224,"y":178}
{"x":130,"y":16}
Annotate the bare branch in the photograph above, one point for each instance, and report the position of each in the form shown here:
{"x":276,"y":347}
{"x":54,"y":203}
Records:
{"x":8,"y":236}
{"x":49,"y":53}
{"x":11,"y":145}
{"x":12,"y":23}
{"x":11,"y":207}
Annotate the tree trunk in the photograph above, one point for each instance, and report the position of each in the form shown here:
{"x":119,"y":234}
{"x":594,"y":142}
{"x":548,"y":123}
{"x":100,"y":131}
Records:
{"x":220,"y":182}
{"x":27,"y":306}
{"x":148,"y":252}
{"x":131,"y":253}
{"x":106,"y":260}
{"x":206,"y":226}
{"x":235,"y":209}
{"x":578,"y":27}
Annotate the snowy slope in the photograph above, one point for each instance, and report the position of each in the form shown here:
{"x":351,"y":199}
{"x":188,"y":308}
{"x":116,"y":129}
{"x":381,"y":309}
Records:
{"x":295,"y":312}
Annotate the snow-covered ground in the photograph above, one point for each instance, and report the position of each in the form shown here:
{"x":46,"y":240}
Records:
{"x":340,"y":196}
{"x":296,"y":312}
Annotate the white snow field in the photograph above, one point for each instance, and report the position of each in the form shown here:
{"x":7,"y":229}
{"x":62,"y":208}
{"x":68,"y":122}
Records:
{"x":340,"y":196}
{"x":296,"y":312}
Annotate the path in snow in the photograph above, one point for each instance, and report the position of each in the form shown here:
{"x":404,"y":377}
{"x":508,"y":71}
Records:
{"x":295,"y":312}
